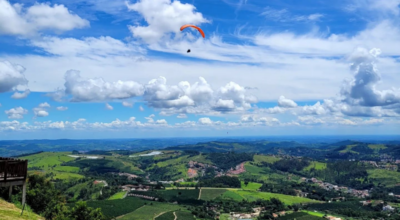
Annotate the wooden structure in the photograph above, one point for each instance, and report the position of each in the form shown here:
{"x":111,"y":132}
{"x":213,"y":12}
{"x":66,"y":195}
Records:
{"x":13,"y":172}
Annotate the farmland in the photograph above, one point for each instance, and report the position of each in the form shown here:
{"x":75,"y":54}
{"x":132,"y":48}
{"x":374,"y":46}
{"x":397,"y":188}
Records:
{"x":387,"y":177}
{"x":151,"y":210}
{"x":118,"y":195}
{"x":239,"y":195}
{"x":155,"y":180}
{"x":117,"y":207}
{"x":166,"y":216}
{"x":251,"y":186}
{"x":316,"y":165}
{"x":210,"y":194}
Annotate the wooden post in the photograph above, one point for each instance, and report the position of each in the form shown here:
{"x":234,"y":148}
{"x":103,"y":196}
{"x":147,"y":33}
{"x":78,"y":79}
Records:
{"x":24,"y":193}
{"x":5,"y":171}
{"x":9,"y":192}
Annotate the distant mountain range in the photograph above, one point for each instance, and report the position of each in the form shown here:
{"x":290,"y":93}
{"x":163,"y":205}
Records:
{"x":298,"y":145}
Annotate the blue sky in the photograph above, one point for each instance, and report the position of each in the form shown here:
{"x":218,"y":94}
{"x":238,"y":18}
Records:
{"x":84,"y":68}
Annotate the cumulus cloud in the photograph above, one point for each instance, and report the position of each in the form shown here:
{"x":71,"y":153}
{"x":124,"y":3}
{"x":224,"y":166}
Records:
{"x":361,"y":90}
{"x":62,"y":108}
{"x":127,"y":104}
{"x":183,"y":98}
{"x":163,"y":17}
{"x":259,"y":120}
{"x":109,"y":107}
{"x":16,"y":113}
{"x":197,"y":98}
{"x":150,"y":118}
{"x":17,"y":20}
{"x":98,"y":89}
{"x":41,"y":110}
{"x":286,"y":103}
{"x":205,"y":121}
{"x":359,"y":96}
{"x":11,"y":76}
{"x":21,"y":95}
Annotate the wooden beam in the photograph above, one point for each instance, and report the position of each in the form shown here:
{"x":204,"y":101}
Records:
{"x":24,"y":193}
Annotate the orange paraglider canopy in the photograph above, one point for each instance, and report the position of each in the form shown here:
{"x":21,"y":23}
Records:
{"x":193,"y":26}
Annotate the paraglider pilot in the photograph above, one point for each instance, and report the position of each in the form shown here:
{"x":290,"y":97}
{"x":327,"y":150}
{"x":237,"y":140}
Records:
{"x":188,"y":51}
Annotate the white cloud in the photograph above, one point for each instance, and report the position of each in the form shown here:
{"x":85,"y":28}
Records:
{"x":11,"y":76}
{"x":163,"y":17}
{"x":21,"y":95}
{"x":16,"y":113}
{"x":150,"y":119}
{"x":17,"y":20}
{"x":286,"y":103}
{"x":162,"y":121}
{"x":62,"y":108}
{"x":127,"y":104}
{"x":141,"y":108}
{"x":361,"y":90}
{"x":181,"y":116}
{"x":97,"y":89}
{"x":41,"y":110}
{"x":259,"y":120}
{"x":44,"y":105}
{"x":205,"y":121}
{"x":109,"y":107}
{"x":90,"y":47}
{"x":181,"y":98}
{"x":391,"y":6}
{"x":283,"y":15}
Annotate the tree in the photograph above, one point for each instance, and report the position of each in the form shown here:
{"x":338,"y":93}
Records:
{"x":246,"y":183}
{"x":82,"y":212}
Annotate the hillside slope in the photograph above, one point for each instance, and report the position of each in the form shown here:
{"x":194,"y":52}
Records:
{"x":9,"y":211}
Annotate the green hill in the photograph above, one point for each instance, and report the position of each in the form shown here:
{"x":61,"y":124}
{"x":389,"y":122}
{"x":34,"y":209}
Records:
{"x":9,"y":211}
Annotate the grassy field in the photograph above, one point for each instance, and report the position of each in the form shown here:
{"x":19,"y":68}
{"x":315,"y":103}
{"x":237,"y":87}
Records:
{"x":387,"y":177}
{"x":239,"y":195}
{"x":166,"y":216}
{"x":264,"y":158}
{"x":232,"y":195}
{"x":319,"y":214}
{"x":175,"y":161}
{"x":148,"y":212}
{"x":348,"y":149}
{"x":184,"y":215}
{"x":66,"y":176}
{"x":50,"y":162}
{"x":68,"y":169}
{"x":210,"y":194}
{"x":9,"y":211}
{"x":300,"y":216}
{"x":251,"y":186}
{"x":46,"y":160}
{"x":224,"y":216}
{"x":263,"y":174}
{"x":377,"y":146}
{"x":316,"y":165}
{"x":117,"y":207}
{"x":118,"y":195}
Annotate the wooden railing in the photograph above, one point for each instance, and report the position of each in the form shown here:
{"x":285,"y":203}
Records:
{"x":12,"y":169}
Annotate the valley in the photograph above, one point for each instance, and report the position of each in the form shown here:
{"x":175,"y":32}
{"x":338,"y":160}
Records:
{"x":228,"y":181}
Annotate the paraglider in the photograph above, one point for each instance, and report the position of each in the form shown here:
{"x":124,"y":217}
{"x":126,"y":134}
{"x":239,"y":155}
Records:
{"x":195,"y":27}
